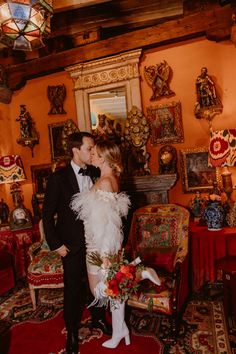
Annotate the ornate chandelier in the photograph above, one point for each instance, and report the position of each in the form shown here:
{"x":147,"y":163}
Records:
{"x":24,"y":23}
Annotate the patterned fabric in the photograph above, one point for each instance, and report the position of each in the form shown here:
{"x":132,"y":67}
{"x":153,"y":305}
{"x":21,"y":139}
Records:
{"x":222,"y":148}
{"x":159,"y":296}
{"x":159,"y":235}
{"x":46,"y":262}
{"x":159,"y":226}
{"x":46,"y":266}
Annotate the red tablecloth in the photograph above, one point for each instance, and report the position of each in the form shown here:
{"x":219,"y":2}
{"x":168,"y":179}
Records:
{"x":206,"y":248}
{"x":17,"y":243}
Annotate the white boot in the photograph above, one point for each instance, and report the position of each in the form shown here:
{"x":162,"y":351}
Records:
{"x":150,"y":273}
{"x":119,"y":327}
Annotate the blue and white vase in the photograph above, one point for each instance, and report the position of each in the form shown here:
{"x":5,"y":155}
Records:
{"x":214,"y":216}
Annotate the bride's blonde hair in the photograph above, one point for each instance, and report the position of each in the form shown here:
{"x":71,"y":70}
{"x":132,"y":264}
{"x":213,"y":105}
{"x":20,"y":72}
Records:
{"x":111,"y":153}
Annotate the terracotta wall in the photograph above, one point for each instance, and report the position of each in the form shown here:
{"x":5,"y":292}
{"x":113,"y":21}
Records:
{"x":34,"y":96}
{"x":186,"y":60}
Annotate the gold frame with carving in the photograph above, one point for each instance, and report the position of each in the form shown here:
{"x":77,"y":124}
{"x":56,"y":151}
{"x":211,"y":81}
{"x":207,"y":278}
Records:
{"x":196,"y":174}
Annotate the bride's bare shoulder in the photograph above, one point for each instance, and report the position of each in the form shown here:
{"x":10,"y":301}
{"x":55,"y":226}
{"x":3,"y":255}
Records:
{"x":107,"y":184}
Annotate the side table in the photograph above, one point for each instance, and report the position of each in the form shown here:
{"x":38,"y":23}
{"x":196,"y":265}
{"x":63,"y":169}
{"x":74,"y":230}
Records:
{"x":207,"y":247}
{"x":17,"y":243}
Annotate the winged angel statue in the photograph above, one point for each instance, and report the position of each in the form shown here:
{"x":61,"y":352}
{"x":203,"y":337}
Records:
{"x":158,"y":76}
{"x":56,"y":96}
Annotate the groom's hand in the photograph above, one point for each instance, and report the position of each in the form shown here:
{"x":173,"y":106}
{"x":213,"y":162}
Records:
{"x":62,"y":251}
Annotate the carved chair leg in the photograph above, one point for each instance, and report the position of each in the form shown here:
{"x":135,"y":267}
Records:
{"x":33,"y":296}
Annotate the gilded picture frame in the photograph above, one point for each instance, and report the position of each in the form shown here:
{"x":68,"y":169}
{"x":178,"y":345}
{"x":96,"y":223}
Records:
{"x":40,"y":175}
{"x":195,"y":172}
{"x":166,"y":124}
{"x":56,"y":142}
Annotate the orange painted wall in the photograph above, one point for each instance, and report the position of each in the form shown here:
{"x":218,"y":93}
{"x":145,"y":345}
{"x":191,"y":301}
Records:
{"x":186,"y":60}
{"x":34,"y":96}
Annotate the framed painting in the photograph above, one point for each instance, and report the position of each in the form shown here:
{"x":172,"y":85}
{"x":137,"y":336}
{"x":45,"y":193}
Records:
{"x":56,"y":142}
{"x":40,"y":174}
{"x":166,"y":123}
{"x":196,"y":174}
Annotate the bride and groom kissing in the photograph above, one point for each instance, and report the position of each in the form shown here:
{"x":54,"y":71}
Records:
{"x":85,"y":198}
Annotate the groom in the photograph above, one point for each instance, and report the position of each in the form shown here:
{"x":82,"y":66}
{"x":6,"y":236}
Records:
{"x":65,"y":234}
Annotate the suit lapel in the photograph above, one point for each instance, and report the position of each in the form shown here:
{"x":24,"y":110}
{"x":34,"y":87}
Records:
{"x":72,"y":178}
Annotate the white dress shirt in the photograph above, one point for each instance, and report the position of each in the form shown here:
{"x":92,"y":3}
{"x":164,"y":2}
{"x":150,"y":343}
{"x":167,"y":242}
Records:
{"x":84,"y":182}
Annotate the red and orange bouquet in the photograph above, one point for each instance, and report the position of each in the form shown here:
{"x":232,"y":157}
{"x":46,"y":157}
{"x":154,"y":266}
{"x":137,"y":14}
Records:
{"x":120,"y":275}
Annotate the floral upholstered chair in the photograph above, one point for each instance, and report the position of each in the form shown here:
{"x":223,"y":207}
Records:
{"x":159,"y":236}
{"x":45,"y":269}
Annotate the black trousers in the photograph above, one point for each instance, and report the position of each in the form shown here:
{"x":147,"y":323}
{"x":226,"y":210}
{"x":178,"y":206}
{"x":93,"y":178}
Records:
{"x":75,"y":277}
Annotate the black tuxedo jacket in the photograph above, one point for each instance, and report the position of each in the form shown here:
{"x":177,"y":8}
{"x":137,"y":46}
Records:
{"x":61,"y":186}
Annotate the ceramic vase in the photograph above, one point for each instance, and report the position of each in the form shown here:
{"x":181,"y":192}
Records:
{"x":214,"y":216}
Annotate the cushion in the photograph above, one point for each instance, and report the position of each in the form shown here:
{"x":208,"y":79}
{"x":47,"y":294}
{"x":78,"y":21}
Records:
{"x":160,"y":258}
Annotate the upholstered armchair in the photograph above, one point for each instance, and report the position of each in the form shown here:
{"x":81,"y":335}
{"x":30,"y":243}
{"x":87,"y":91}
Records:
{"x":45,"y":269}
{"x":159,"y":236}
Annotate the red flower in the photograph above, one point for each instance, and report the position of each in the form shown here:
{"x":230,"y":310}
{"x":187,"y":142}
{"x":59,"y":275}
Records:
{"x":120,"y":275}
{"x":219,"y":146}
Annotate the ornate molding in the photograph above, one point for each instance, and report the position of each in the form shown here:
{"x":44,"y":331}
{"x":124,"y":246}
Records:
{"x":105,"y":71}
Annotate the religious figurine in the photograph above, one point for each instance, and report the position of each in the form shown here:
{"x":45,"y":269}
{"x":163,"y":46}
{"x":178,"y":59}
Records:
{"x":28,"y":134}
{"x":158,"y":77}
{"x":26,"y":122}
{"x":56,"y":96}
{"x":167,"y":159}
{"x":197,"y":205}
{"x":208,"y":104}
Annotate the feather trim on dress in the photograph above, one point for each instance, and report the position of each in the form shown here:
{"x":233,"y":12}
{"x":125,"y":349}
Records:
{"x":101,"y":212}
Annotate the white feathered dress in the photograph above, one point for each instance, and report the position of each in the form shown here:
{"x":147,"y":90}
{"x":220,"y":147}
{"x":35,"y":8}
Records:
{"x":101,"y":212}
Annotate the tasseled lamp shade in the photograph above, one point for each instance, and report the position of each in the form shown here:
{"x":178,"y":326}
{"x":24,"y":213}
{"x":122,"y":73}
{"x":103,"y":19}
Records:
{"x":24,"y":23}
{"x":11,"y":169}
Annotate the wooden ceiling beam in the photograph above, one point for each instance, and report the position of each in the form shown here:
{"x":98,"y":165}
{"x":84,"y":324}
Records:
{"x":190,"y":26}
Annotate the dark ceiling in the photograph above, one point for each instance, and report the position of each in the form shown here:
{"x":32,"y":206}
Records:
{"x":80,"y":33}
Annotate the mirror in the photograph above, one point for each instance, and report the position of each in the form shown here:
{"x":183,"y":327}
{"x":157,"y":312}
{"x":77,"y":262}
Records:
{"x":100,"y":81}
{"x":108,"y":112}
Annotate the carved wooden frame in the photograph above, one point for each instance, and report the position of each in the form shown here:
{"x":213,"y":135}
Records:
{"x":196,"y":174}
{"x":161,"y":133}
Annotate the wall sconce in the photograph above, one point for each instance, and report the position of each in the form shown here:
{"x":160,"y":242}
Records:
{"x":24,"y":24}
{"x":28,"y":135}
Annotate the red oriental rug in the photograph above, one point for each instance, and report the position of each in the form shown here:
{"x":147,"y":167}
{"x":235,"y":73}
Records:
{"x":24,"y":331}
{"x":49,"y":337}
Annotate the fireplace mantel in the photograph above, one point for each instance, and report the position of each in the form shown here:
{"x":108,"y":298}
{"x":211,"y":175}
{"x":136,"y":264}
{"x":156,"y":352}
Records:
{"x":146,"y":190}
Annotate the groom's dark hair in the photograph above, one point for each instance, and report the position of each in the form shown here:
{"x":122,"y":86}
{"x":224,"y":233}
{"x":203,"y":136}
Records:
{"x":75,"y":140}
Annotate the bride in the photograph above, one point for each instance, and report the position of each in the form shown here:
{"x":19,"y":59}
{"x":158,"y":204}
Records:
{"x":102,"y":209}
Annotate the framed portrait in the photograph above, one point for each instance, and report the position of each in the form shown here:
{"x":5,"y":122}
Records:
{"x":196,"y":174}
{"x":56,"y":141}
{"x":40,"y":174}
{"x":165,"y":123}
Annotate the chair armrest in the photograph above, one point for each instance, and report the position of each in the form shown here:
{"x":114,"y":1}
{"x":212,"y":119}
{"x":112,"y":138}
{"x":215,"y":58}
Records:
{"x":34,"y":249}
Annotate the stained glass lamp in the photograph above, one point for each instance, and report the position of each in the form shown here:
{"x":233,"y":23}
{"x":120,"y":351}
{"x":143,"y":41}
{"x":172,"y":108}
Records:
{"x":25,"y":23}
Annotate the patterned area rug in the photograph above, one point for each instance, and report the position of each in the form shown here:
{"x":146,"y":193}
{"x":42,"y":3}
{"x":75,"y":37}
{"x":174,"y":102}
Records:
{"x":203,"y":328}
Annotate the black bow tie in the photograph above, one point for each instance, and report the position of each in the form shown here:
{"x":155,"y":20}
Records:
{"x":82,"y":171}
